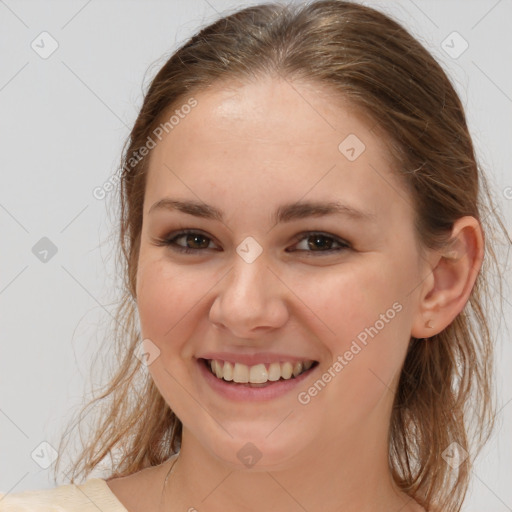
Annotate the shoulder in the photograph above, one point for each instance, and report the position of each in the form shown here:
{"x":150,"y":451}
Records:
{"x":91,"y":496}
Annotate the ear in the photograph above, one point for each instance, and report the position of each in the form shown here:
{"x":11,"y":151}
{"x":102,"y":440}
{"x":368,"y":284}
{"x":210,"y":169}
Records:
{"x":453,"y":272}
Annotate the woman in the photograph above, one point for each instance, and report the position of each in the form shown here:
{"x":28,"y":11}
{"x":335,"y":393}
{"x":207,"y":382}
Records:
{"x":302,"y":225}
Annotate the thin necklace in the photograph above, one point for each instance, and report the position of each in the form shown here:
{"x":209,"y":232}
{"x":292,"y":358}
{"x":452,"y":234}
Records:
{"x":167,"y":477}
{"x":170,"y":470}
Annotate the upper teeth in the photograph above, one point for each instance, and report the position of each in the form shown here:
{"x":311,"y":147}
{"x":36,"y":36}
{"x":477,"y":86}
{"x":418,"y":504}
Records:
{"x":259,"y":373}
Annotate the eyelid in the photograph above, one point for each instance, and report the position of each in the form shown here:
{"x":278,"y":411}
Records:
{"x":344,"y":244}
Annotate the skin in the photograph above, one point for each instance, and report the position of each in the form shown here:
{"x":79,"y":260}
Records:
{"x":246,"y":150}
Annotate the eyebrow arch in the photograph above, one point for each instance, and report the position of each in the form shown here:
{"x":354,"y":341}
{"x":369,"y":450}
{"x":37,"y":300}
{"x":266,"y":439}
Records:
{"x":285,"y":213}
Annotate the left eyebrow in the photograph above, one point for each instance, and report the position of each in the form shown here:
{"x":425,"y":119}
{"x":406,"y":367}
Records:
{"x":303,"y":209}
{"x":285,"y":213}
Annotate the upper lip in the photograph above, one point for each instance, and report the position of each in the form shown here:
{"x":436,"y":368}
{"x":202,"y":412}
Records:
{"x":253,"y":359}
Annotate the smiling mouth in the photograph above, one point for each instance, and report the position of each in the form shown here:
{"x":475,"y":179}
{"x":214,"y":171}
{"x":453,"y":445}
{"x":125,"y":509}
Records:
{"x":258,"y":375}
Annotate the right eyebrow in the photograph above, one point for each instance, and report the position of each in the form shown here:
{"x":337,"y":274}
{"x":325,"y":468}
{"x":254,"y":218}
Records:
{"x":191,"y":207}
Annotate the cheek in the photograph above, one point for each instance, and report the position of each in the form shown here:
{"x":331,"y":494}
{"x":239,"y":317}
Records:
{"x":368,"y":326}
{"x":349,"y":299}
{"x":164,"y":296}
{"x":155,"y":302}
{"x":171,"y":304}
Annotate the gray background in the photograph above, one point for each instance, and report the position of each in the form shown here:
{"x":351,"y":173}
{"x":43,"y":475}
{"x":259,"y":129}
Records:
{"x":63,"y":122}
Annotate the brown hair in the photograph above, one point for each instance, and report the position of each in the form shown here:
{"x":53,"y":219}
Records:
{"x":444,"y":393}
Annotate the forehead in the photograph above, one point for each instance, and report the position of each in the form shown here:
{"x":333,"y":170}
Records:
{"x":268,"y":139}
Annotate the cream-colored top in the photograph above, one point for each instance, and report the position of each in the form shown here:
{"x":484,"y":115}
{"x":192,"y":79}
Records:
{"x":92,"y":496}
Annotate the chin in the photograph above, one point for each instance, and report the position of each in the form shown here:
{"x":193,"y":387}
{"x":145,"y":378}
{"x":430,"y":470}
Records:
{"x":255,"y":449}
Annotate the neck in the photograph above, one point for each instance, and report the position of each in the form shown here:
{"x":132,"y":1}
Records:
{"x":350,"y":474}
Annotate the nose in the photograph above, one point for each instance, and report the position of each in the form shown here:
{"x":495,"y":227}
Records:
{"x":250,"y":300}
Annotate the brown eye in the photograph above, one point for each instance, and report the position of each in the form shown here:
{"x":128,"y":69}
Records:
{"x":316,"y":242}
{"x":188,"y":242}
{"x":320,"y":243}
{"x":195,"y":241}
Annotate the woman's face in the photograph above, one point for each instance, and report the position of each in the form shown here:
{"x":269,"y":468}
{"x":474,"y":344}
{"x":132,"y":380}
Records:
{"x":302,"y":249}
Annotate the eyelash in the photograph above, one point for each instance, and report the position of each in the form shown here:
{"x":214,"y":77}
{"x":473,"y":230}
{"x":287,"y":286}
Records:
{"x":171,"y":241}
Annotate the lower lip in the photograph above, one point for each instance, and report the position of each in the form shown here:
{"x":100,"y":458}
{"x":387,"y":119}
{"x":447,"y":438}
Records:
{"x":235,"y":391}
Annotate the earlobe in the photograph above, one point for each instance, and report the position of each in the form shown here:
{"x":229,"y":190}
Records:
{"x":453,"y":275}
